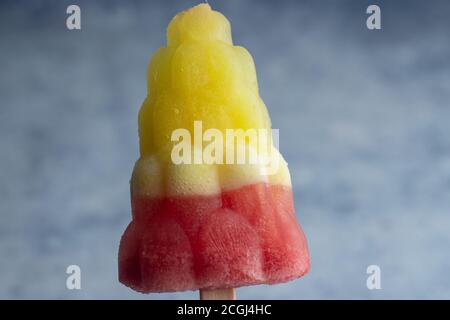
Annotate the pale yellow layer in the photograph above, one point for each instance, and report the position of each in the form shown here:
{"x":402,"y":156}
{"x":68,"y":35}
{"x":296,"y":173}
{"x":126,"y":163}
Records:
{"x":149,"y":179}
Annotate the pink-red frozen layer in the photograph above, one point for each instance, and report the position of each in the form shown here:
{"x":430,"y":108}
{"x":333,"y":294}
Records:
{"x":239,"y":237}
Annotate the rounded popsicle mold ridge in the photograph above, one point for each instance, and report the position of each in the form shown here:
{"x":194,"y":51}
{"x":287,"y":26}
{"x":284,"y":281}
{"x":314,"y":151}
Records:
{"x":147,"y":177}
{"x":185,"y":179}
{"x":199,"y":23}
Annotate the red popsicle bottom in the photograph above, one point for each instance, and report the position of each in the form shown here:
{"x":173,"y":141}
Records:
{"x":241,"y":237}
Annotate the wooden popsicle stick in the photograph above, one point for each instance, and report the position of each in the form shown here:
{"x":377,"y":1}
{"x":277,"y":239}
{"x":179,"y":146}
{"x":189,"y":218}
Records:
{"x":218,"y":294}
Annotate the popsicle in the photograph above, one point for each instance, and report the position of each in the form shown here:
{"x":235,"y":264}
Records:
{"x":206,"y":225}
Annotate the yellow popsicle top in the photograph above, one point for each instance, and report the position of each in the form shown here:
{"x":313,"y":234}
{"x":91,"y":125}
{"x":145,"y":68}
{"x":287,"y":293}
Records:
{"x":199,"y":75}
{"x":199,"y":23}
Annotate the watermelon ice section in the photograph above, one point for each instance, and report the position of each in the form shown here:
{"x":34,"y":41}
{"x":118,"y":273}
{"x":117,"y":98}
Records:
{"x":206,"y":226}
{"x":240,"y":237}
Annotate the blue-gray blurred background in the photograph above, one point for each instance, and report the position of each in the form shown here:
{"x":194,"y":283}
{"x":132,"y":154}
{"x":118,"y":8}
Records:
{"x":364,"y":120}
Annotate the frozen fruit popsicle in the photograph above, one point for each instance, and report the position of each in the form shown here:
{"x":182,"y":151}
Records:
{"x":202,"y":225}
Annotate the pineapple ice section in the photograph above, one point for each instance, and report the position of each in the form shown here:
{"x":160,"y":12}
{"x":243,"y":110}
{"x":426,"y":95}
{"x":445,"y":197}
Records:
{"x":200,"y":76}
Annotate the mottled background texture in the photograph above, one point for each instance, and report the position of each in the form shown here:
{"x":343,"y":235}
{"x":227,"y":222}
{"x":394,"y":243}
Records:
{"x":364,"y":125}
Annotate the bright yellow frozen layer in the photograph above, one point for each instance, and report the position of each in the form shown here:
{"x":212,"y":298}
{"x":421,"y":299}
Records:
{"x":200,"y":75}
